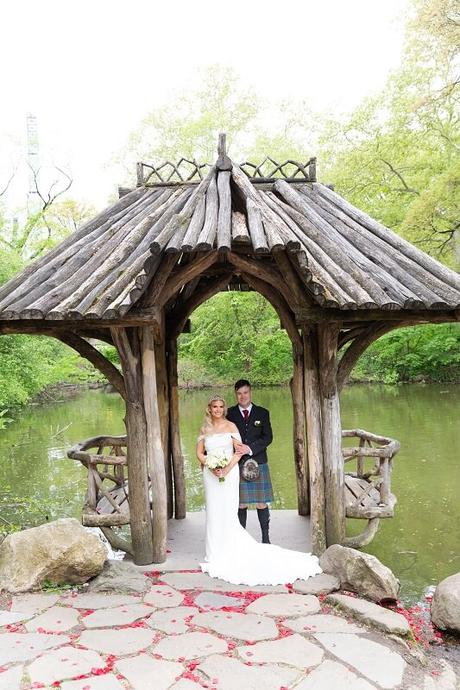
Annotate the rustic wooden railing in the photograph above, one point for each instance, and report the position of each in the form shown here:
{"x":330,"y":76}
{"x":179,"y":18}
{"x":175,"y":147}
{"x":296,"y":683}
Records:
{"x":106,"y":502}
{"x":368,"y":490}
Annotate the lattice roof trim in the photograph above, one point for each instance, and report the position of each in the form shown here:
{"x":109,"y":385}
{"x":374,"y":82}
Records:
{"x":186,"y":170}
{"x":345,"y":259}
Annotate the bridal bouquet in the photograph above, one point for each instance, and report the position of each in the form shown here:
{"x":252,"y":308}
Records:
{"x":214,"y":462}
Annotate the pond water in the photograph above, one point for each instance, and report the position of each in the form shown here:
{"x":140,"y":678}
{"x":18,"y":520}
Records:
{"x":421,"y":544}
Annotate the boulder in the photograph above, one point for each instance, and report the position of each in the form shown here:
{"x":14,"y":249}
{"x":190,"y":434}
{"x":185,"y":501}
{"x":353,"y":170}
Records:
{"x":118,"y":576}
{"x":60,"y":552}
{"x":445,"y":607}
{"x":360,"y":572}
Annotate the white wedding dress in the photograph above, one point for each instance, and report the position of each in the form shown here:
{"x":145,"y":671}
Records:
{"x":231,"y":553}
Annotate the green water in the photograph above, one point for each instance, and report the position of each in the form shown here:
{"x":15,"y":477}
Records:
{"x":421,"y":544}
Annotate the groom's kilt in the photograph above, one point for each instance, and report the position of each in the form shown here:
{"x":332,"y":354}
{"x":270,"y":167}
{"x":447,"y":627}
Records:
{"x":258,"y":491}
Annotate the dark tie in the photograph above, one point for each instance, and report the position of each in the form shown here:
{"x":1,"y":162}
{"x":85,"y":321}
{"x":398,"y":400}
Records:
{"x":245,"y":414}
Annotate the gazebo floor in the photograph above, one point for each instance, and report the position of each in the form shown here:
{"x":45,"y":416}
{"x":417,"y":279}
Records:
{"x":186,"y":537}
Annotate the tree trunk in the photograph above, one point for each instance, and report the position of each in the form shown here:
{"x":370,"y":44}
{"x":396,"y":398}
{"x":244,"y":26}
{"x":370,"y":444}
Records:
{"x":176,"y":449}
{"x":155,"y":454}
{"x":332,"y":433}
{"x":314,"y":440}
{"x":163,"y":406}
{"x":300,"y":448}
{"x":127,"y":343}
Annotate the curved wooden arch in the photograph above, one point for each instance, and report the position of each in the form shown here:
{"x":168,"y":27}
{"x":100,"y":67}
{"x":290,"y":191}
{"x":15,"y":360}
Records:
{"x":280,"y":306}
{"x":359,"y":345}
{"x":178,"y":316}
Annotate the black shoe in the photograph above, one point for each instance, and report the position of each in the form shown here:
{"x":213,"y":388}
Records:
{"x":264,"y":520}
{"x":242,"y":516}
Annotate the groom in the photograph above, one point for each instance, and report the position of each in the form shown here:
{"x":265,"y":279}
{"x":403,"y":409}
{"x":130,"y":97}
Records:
{"x":253,"y":423}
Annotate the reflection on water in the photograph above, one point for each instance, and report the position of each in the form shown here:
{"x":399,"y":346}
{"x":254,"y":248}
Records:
{"x":421,"y":544}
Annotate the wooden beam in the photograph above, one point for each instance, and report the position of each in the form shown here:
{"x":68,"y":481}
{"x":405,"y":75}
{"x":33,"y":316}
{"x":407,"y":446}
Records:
{"x":184,"y":274}
{"x":314,"y":440}
{"x":96,"y":358}
{"x":155,"y":452}
{"x":40,"y":326}
{"x":331,"y":433}
{"x":318,"y":314}
{"x":300,"y":448}
{"x":178,"y":316}
{"x":152,"y":293}
{"x":163,"y":406}
{"x":223,"y":161}
{"x":279,"y":304}
{"x":180,"y":505}
{"x":127,"y":344}
{"x":261,"y":269}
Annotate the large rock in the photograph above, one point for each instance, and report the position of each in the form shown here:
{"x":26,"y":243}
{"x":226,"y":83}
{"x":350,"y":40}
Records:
{"x":61,"y":552}
{"x":445,"y":607}
{"x":360,"y":572}
{"x":118,"y":576}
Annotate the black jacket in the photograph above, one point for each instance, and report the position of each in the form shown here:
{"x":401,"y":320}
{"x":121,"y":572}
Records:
{"x":256,"y":431}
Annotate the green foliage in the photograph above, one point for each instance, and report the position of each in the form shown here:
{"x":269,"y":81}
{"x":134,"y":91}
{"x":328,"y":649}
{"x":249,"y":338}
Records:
{"x":4,"y":420}
{"x":22,"y":512}
{"x":430,"y":352}
{"x":235,"y":335}
{"x":396,"y":155}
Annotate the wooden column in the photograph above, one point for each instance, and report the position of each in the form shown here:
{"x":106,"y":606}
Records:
{"x":180,"y":506}
{"x":332,"y":433}
{"x":127,"y":343}
{"x":300,"y":448}
{"x":154,"y":443}
{"x":314,"y":439}
{"x":163,"y":405}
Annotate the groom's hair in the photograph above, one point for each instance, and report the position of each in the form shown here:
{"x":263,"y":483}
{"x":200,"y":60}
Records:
{"x":240,"y":383}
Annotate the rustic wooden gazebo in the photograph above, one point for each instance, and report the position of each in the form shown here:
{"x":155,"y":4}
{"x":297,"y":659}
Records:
{"x":133,"y":275}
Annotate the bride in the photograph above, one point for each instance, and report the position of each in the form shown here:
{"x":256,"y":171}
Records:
{"x":231,"y":553}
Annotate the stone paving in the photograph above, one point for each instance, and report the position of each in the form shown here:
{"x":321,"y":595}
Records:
{"x":187,"y":631}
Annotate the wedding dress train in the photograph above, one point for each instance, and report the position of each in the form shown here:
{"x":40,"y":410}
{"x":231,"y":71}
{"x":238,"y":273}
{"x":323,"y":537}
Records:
{"x":231,"y":553}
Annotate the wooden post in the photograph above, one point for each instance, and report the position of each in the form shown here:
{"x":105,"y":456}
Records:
{"x":163,"y":406}
{"x":155,"y":454}
{"x":332,"y":433}
{"x":127,"y":343}
{"x":314,"y":439}
{"x":176,"y":449}
{"x":300,"y":448}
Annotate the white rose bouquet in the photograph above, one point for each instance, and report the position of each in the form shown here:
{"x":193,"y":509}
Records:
{"x":214,"y":462}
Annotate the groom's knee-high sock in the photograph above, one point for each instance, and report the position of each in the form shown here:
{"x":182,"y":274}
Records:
{"x":264,"y":519}
{"x":242,"y":516}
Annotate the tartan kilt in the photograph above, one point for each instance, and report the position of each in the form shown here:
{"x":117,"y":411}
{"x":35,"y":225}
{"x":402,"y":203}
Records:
{"x":258,"y":491}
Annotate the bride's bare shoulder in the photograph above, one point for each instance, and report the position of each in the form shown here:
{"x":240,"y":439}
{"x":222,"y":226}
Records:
{"x":232,"y":428}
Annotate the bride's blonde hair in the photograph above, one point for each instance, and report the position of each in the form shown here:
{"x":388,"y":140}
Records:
{"x":207,"y":422}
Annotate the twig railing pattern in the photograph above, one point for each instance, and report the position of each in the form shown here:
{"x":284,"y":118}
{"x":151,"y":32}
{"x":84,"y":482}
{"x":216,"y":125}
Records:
{"x":107,"y":464}
{"x":381,"y":450}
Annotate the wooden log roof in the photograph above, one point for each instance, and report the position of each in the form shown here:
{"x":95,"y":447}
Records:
{"x":341,"y":258}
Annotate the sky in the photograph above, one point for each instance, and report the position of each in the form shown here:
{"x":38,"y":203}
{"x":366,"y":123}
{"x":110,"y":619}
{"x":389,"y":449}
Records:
{"x":91,"y":70}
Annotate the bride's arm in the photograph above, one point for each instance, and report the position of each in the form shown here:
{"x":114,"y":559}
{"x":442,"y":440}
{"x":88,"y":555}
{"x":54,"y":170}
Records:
{"x":200,"y":453}
{"x":236,"y":457}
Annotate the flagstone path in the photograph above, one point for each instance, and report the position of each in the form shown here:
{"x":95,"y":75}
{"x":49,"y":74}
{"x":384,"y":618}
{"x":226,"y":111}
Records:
{"x":188,"y":631}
